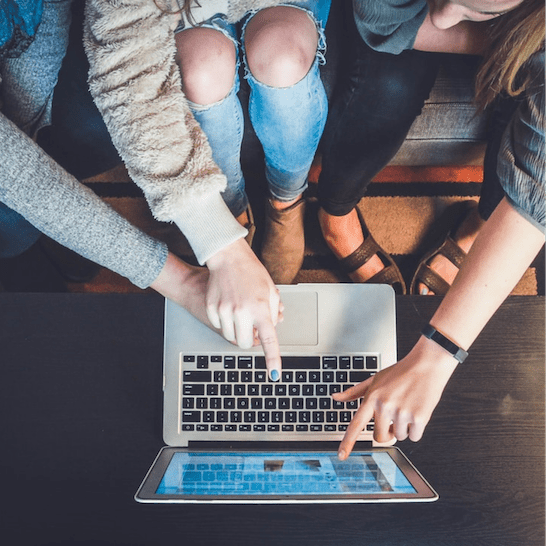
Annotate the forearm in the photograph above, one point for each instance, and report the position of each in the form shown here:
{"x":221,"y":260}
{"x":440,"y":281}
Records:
{"x":57,"y":204}
{"x":467,"y":38}
{"x":503,"y":250}
{"x":137,"y":88}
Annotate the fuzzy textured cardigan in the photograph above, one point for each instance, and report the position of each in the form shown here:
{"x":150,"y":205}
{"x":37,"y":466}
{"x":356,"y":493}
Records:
{"x":136,"y":86}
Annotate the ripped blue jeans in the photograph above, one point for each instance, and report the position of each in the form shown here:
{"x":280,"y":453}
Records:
{"x":288,"y":121}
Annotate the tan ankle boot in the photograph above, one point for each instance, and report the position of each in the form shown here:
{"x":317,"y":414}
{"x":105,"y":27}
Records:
{"x":248,"y":223}
{"x":251,"y":226}
{"x":283,"y":245}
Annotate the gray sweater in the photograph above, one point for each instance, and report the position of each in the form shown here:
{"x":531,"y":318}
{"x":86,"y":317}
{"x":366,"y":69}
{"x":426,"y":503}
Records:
{"x":32,"y":184}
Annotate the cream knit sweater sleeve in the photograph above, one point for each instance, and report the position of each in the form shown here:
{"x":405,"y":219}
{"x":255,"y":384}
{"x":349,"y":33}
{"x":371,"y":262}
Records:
{"x":136,"y":85}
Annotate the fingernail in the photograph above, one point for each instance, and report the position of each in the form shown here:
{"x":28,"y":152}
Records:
{"x":274,"y":375}
{"x":341,"y":454}
{"x":424,"y":291}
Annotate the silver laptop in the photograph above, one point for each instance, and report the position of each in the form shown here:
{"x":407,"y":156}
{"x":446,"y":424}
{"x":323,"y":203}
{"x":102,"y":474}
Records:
{"x":235,"y":436}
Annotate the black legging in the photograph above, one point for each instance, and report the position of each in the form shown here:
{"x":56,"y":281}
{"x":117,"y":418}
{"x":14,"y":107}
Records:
{"x":379,"y":97}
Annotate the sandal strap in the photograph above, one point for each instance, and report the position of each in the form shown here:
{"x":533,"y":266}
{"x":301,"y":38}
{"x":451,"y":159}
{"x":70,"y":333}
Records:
{"x":453,"y":252}
{"x":389,"y":275}
{"x":360,"y":256}
{"x":432,"y":280}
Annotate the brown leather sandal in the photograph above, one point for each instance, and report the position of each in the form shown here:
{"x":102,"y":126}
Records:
{"x":369,"y":248}
{"x":448,"y":248}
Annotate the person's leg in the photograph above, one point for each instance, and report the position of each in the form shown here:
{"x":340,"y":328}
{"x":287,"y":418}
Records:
{"x":490,"y":196}
{"x":368,"y":122}
{"x":287,"y":108}
{"x":287,"y":104}
{"x":77,"y":138}
{"x":27,"y":84}
{"x":207,"y":57}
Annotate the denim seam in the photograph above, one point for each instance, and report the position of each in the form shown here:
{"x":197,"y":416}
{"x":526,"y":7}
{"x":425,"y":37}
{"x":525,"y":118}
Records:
{"x":234,"y":90}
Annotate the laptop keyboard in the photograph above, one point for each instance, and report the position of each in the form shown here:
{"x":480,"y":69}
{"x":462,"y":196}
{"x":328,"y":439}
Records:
{"x":233,"y":394}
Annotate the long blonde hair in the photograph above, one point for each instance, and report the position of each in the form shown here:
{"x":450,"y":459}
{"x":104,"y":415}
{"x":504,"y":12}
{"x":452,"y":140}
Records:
{"x":514,"y":38}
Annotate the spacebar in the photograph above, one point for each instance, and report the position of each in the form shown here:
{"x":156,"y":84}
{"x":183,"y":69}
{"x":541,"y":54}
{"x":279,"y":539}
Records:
{"x":300,"y":363}
{"x":294,"y":362}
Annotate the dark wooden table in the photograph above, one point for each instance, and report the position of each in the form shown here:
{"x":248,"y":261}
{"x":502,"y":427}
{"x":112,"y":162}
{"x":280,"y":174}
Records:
{"x":81,"y":404}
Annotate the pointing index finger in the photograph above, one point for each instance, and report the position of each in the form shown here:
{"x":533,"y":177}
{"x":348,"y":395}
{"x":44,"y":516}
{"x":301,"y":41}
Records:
{"x":270,"y":345}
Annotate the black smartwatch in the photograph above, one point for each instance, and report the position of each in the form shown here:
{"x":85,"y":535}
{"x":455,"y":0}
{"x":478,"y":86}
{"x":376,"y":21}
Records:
{"x":454,"y":350}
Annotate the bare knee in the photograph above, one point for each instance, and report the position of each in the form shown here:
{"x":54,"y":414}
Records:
{"x":281,"y":45}
{"x":207,"y":62}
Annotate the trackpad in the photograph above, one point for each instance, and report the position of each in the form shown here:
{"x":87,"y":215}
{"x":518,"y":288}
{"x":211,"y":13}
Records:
{"x":300,"y":324}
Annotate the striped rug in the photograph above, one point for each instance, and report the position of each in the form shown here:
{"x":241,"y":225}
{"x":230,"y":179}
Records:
{"x":402,"y":210}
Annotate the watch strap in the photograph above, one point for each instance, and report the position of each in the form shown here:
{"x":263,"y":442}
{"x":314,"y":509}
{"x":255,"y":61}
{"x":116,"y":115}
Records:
{"x":452,"y":348}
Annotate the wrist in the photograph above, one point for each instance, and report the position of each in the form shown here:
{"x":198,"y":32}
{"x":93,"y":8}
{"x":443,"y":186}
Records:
{"x":228,"y":255}
{"x":173,"y":279}
{"x":435,"y":357}
{"x":445,"y":343}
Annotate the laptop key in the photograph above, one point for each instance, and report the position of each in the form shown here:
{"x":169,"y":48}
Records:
{"x":329,"y":362}
{"x":308,"y":390}
{"x":290,"y":417}
{"x":325,"y":403}
{"x":244,"y":362}
{"x":215,"y":403}
{"x":193,"y":389}
{"x":301,"y":362}
{"x":239,"y":390}
{"x":229,"y":362}
{"x":191,"y":416}
{"x":196,"y":376}
{"x":247,"y":376}
{"x":371,"y":363}
{"x":357,"y":377}
{"x":344,"y":362}
{"x":202,"y":361}
{"x":358,"y":362}
{"x":249,"y":416}
{"x":235,"y":416}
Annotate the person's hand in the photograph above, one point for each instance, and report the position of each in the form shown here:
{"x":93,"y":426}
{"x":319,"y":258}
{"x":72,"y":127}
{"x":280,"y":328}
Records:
{"x":243,"y":302}
{"x":186,"y":285}
{"x":400,"y":398}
